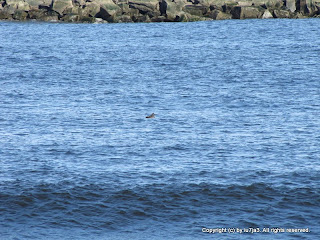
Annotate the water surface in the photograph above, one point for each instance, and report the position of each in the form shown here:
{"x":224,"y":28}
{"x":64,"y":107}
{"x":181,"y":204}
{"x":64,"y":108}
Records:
{"x":235,"y":142}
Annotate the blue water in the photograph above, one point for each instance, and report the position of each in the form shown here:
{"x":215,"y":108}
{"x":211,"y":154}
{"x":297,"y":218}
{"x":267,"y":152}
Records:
{"x":234,"y":144}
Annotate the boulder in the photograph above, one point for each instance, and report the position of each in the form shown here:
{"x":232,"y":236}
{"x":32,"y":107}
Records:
{"x":228,"y":7}
{"x":266,"y":14}
{"x":79,"y":2}
{"x":51,"y":18}
{"x":274,"y":3}
{"x":193,"y":18}
{"x":90,"y":9}
{"x":12,"y":2}
{"x":206,"y":3}
{"x":158,"y":19}
{"x":196,"y":9}
{"x":69,"y":17}
{"x":281,"y":13}
{"x":146,"y":7}
{"x":123,"y":19}
{"x":311,"y":8}
{"x":181,"y":17}
{"x":86,"y":19}
{"x":101,"y":9}
{"x":75,"y":10}
{"x":239,"y":12}
{"x":299,"y":15}
{"x":100,"y":20}
{"x":37,"y":13}
{"x":6,"y":12}
{"x":302,"y":6}
{"x":216,"y":7}
{"x":13,"y":6}
{"x":124,"y":7}
{"x":245,"y":3}
{"x":219,"y":15}
{"x":43,"y":15}
{"x":36,"y":4}
{"x":60,"y":6}
{"x":133,"y":12}
{"x":172,"y":10}
{"x":20,"y":15}
{"x":46,"y":3}
{"x":23,"y":6}
{"x":108,"y":10}
{"x":9,"y":9}
{"x":291,"y":5}
{"x":217,"y":3}
{"x":141,"y":18}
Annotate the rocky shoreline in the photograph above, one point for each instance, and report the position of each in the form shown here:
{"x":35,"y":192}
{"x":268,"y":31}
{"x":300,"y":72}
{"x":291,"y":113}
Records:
{"x":115,"y":11}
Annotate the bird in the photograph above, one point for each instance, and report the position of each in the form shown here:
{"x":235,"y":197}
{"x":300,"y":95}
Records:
{"x":151,"y":116}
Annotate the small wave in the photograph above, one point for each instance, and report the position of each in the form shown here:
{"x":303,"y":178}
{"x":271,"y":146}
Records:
{"x":109,"y":206}
{"x":178,"y":147}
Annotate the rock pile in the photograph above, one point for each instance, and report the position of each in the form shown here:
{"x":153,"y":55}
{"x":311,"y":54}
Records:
{"x":154,"y":10}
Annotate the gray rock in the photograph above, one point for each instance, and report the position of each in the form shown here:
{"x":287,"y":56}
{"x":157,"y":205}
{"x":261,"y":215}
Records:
{"x":9,"y":9}
{"x":134,"y":12}
{"x":100,"y":20}
{"x":266,"y":14}
{"x":218,"y":15}
{"x":43,"y":15}
{"x":75,"y":10}
{"x":90,"y":9}
{"x":216,"y":7}
{"x":172,"y":10}
{"x":17,"y":6}
{"x":36,"y":4}
{"x":23,"y":6}
{"x":196,"y":9}
{"x":108,"y":10}
{"x":306,"y":6}
{"x":239,"y":12}
{"x":6,"y":12}
{"x":281,"y":14}
{"x":20,"y":15}
{"x":50,"y":18}
{"x":299,"y":15}
{"x":123,"y":19}
{"x":146,"y":7}
{"x":124,"y":7}
{"x":229,"y":7}
{"x":87,"y":19}
{"x":141,"y":18}
{"x":37,"y":14}
{"x":70,"y":18}
{"x":291,"y":5}
{"x":158,"y":19}
{"x":12,"y":2}
{"x":46,"y":3}
{"x":60,"y":6}
{"x":79,"y":2}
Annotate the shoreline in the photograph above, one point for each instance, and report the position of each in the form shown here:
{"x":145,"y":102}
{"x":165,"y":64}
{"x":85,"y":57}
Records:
{"x":129,"y":11}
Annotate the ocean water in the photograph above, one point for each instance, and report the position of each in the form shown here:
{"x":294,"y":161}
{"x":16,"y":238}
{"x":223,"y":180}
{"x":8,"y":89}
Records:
{"x":234,"y":146}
